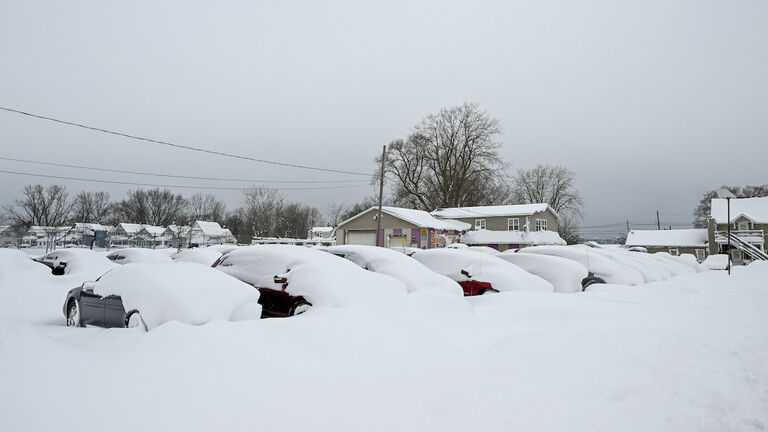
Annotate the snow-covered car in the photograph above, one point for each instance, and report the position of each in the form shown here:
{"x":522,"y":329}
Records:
{"x":69,"y":261}
{"x":146,"y":295}
{"x":565,"y":275}
{"x":480,"y":273}
{"x":292,"y":279}
{"x":137,"y":255}
{"x":415,"y":275}
{"x":205,"y":256}
{"x":599,"y":266}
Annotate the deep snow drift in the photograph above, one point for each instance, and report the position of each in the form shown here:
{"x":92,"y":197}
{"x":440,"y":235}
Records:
{"x":684,"y":354}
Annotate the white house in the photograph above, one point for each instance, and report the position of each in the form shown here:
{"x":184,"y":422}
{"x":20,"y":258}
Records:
{"x":210,"y":233}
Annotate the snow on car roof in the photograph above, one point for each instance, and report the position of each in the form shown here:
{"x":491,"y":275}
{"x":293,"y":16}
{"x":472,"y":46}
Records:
{"x":323,"y":279}
{"x":414,"y":274}
{"x":490,"y":211}
{"x":185,"y":292}
{"x":755,"y":209}
{"x":141,"y":255}
{"x":205,"y":256}
{"x":502,"y":275}
{"x":564,"y":274}
{"x":512,"y":237}
{"x":600,"y":265}
{"x":419,"y":218}
{"x":676,"y":237}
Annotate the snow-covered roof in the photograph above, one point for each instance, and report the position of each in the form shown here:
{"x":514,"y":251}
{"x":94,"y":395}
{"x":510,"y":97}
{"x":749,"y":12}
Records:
{"x":420,"y":218}
{"x":322,"y":230}
{"x":211,"y":228}
{"x":755,"y":209}
{"x":676,"y":237}
{"x":153,"y":230}
{"x":4,"y":227}
{"x":130,"y":228}
{"x":491,"y":211}
{"x":485,"y":237}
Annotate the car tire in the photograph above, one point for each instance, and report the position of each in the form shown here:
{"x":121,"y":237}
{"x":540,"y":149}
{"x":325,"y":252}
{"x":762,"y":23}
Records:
{"x":73,"y":314}
{"x":299,"y":308}
{"x":134,"y":320}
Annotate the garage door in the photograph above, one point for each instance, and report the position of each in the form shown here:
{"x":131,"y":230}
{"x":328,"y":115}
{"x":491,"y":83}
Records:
{"x":361,"y":238}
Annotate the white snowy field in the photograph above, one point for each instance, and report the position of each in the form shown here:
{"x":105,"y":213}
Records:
{"x":686,"y":354}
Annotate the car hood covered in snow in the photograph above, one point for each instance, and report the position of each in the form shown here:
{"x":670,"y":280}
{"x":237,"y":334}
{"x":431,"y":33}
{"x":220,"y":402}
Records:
{"x":502,"y":275}
{"x":185,"y":292}
{"x":323,"y":279}
{"x":414,"y":274}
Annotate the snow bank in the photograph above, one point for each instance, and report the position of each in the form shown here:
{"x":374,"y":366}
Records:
{"x":323,"y":279}
{"x":138,"y":255}
{"x":483,"y":249}
{"x":651,"y":269}
{"x":184,"y":292}
{"x":82,"y":264}
{"x":502,"y":275}
{"x":205,"y":256}
{"x":595,"y":262}
{"x":564,"y":274}
{"x":716,"y":262}
{"x":415,"y":275}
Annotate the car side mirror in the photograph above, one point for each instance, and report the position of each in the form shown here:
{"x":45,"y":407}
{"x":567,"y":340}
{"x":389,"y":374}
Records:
{"x":89,"y":285}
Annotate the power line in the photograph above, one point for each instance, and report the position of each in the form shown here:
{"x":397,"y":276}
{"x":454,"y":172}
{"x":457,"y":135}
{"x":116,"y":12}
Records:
{"x":172,"y":186}
{"x":175,"y":176}
{"x":180,"y":146}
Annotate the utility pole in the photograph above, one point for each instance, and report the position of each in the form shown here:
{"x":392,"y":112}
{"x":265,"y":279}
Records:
{"x":381,"y":193}
{"x":627,"y":225}
{"x":658,"y":221}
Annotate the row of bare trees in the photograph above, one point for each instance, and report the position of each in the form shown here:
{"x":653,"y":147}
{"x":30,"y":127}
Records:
{"x":264,"y":212}
{"x":452,"y":159}
{"x":52,"y":206}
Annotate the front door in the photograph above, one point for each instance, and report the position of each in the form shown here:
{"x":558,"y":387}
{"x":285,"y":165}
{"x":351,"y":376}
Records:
{"x":91,"y":308}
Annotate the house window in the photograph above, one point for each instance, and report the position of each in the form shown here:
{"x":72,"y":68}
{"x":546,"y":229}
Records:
{"x":541,"y":224}
{"x":513,"y":224}
{"x":479,"y":224}
{"x":743,"y":226}
{"x":700,"y":255}
{"x":674,"y":251}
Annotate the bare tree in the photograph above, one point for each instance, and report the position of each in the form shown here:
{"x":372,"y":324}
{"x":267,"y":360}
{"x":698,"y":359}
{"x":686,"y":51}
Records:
{"x":91,"y":207}
{"x":702,"y":211}
{"x":48,"y":206}
{"x":206,"y":208}
{"x":260,"y":207}
{"x":335,"y":210}
{"x":450,"y":159}
{"x":548,"y":184}
{"x":154,"y":206}
{"x":568,"y":229}
{"x":358,"y":207}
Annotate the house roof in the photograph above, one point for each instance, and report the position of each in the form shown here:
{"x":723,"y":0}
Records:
{"x":755,"y":209}
{"x":91,"y":226}
{"x":322,"y":229}
{"x":485,"y":237}
{"x":211,"y":228}
{"x":130,"y":228}
{"x":491,"y":211}
{"x":676,"y":237}
{"x":420,"y":218}
{"x":153,"y":230}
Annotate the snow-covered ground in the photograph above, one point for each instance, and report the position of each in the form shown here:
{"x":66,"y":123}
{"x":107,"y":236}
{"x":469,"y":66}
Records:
{"x":684,"y":354}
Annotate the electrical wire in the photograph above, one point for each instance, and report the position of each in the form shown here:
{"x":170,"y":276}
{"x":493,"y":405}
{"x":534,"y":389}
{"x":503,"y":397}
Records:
{"x":173,"y":186}
{"x":175,"y":176}
{"x":180,"y":146}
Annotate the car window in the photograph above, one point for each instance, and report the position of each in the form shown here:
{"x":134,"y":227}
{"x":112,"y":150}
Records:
{"x":111,"y":257}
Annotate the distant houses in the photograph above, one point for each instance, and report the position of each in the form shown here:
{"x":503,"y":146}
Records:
{"x":205,"y":233}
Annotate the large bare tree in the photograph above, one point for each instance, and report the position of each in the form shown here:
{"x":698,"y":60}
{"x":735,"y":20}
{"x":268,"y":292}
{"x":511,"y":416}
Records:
{"x":154,"y":206}
{"x":553,"y":185}
{"x":206,"y":208}
{"x":269,"y":215}
{"x":46,"y":206}
{"x":450,"y":159}
{"x":91,"y":207}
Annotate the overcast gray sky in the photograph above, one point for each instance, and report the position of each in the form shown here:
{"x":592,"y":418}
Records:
{"x":650,"y":103}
